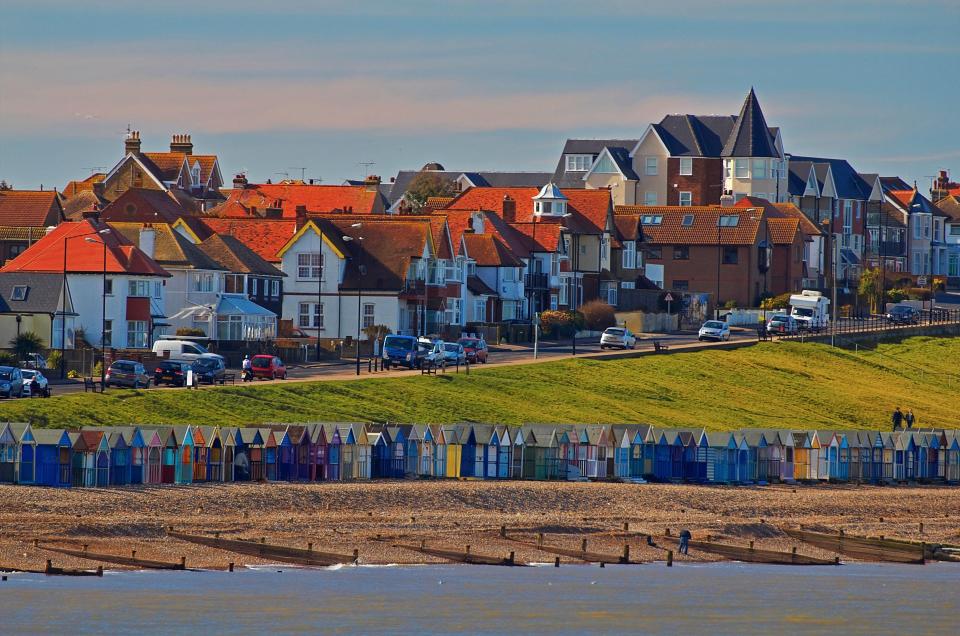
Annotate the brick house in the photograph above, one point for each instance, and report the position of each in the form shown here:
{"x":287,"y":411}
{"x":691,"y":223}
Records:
{"x":25,"y":216}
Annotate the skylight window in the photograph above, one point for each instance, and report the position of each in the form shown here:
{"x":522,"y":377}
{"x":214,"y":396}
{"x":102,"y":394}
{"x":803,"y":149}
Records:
{"x":19,"y":292}
{"x":728,"y":220}
{"x":687,"y":220}
{"x":651,"y":219}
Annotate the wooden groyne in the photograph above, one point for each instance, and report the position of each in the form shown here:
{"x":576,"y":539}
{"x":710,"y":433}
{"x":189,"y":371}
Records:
{"x":864,"y":548}
{"x":754,"y":555}
{"x":581,"y":555}
{"x":467,"y":556}
{"x":50,"y":570}
{"x":130,"y":561}
{"x":266,"y":551}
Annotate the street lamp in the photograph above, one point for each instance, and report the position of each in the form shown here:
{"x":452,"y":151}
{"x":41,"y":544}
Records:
{"x":316,"y":311}
{"x":570,"y":292}
{"x":63,"y":298}
{"x":360,"y":273}
{"x":103,"y":306}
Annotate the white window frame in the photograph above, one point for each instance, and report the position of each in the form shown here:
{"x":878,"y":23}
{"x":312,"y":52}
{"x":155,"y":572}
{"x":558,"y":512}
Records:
{"x":137,"y":334}
{"x":203,"y":283}
{"x":369,"y":317}
{"x":629,"y":259}
{"x":479,"y":310}
{"x":275,"y":288}
{"x":138,"y":288}
{"x":762,"y":173}
{"x":741,"y":169}
{"x":686,"y":198}
{"x":107,"y":329}
{"x":651,"y":166}
{"x":309,"y":265}
{"x":579,"y":163}
{"x":650,"y":197}
{"x":686,"y":166}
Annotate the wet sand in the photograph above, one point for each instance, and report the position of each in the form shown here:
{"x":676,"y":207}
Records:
{"x":342,"y":517}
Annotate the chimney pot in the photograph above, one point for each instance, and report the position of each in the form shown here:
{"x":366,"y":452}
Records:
{"x":181,"y":143}
{"x":131,"y":144}
{"x":240,"y":181}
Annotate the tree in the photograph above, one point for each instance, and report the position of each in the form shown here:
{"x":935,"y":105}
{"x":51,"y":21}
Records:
{"x":561,"y":323}
{"x":25,"y":344}
{"x":426,"y":184}
{"x":871,"y":287}
{"x":377,"y":332}
{"x":5,"y":186}
{"x":598,"y":315}
{"x":190,"y":331}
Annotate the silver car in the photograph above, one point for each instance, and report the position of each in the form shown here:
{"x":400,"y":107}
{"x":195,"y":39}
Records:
{"x":714,"y":330}
{"x":619,"y":337}
{"x":11,"y":382}
{"x":35,"y":383}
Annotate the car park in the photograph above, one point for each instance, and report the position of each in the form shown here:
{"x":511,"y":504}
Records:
{"x":782,"y":324}
{"x":35,"y":383}
{"x":714,"y":330}
{"x":475,"y":348}
{"x":903,"y":315}
{"x":128,"y":373}
{"x":268,"y":367}
{"x":619,"y":337}
{"x":11,"y":382}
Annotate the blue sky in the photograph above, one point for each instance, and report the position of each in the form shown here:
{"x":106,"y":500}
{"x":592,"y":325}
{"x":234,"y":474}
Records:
{"x":273,"y":87}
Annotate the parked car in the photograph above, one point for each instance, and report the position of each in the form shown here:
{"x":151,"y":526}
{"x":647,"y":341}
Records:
{"x":209,"y":370}
{"x":714,"y":330}
{"x":268,"y":367}
{"x":182,"y":350}
{"x":11,"y":382}
{"x":475,"y":348}
{"x":782,"y":324}
{"x":172,"y":372}
{"x":903,"y":315}
{"x":35,"y":383}
{"x":127,"y":373}
{"x":34,"y":361}
{"x":402,"y":351}
{"x":617,"y":337}
{"x":446,"y":353}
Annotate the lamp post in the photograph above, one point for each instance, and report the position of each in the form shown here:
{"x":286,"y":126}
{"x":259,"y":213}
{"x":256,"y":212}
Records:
{"x":103,"y":306}
{"x":316,"y":311}
{"x":360,"y":273}
{"x":533,"y":259}
{"x":63,"y":299}
{"x":716,"y":303}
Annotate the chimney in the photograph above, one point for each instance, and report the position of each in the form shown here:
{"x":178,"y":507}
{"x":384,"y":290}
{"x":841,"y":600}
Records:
{"x":509,"y":209}
{"x":131,"y":145}
{"x":372,"y":183}
{"x":273,"y":213}
{"x":726,"y":201}
{"x":240,"y":181}
{"x":92,"y":213}
{"x":301,"y":215}
{"x":181,"y":143}
{"x":148,"y":239}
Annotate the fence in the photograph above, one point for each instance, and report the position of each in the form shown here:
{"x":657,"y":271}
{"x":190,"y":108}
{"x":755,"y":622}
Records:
{"x":874,"y":323}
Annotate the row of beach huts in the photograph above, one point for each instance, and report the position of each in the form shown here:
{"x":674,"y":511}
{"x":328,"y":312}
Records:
{"x":119,"y":456}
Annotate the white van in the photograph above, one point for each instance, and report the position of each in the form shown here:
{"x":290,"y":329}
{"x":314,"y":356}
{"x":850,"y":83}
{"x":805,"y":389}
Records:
{"x":182,"y":350}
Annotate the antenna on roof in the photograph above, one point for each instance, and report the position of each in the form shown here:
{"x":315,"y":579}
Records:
{"x":366,"y":165}
{"x":303,"y":171}
{"x":98,"y":168}
{"x":285,"y":174}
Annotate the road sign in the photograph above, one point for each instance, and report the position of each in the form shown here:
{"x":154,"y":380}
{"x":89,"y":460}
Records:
{"x":668,"y":298}
{"x":921,"y":281}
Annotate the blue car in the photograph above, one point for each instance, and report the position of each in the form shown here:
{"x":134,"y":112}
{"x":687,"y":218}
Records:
{"x":402,"y":351}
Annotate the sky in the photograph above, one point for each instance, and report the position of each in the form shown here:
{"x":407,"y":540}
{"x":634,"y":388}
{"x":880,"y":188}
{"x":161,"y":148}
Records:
{"x":320,"y":88}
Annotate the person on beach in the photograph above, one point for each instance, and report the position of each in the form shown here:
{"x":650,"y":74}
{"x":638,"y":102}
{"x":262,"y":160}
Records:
{"x":897,"y":418}
{"x":908,"y":418}
{"x":684,"y":541}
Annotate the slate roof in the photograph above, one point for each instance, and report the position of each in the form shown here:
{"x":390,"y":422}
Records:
{"x":694,"y":135}
{"x":507,"y":179}
{"x":750,"y":136}
{"x":30,"y":208}
{"x":43,"y":292}
{"x":171,"y":249}
{"x":586,"y":147}
{"x":848,"y":182}
{"x":232,"y":254}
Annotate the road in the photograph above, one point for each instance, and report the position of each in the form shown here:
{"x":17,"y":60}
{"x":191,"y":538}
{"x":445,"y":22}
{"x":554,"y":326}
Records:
{"x":499,"y":356}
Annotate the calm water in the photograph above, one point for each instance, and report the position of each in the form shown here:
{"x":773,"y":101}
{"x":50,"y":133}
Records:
{"x":723,"y":598}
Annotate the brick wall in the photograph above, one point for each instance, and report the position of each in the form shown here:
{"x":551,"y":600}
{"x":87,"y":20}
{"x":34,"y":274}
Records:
{"x":740,"y":282}
{"x":704,"y":184}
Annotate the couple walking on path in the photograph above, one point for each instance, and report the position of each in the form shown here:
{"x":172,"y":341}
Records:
{"x":901,"y":421}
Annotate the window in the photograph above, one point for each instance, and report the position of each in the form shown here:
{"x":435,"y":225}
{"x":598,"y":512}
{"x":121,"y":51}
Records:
{"x":230,"y":327}
{"x":554,"y":265}
{"x":511,"y":274}
{"x":604,"y":244}
{"x":741,"y":169}
{"x":368,"y":315}
{"x":309,"y":266}
{"x":511,"y":309}
{"x":954,"y":229}
{"x":19,"y":292}
{"x":16,"y":250}
{"x":651,"y":219}
{"x":480,"y":310}
{"x":727,"y":164}
{"x":138,"y":288}
{"x":303,"y":319}
{"x":655,"y":253}
{"x":451,"y":270}
{"x":107,"y":333}
{"x":579,"y":163}
{"x":686,"y":166}
{"x":731,"y":255}
{"x":649,"y":198}
{"x":759,"y":168}
{"x":681,"y":285}
{"x":453,"y":311}
{"x":275,"y":288}
{"x":553,"y":302}
{"x":608,"y":292}
{"x":628,"y":285}
{"x":137,"y":334}
{"x":916,"y":228}
{"x":687,"y":220}
{"x":650,"y":164}
{"x":686,"y":199}
{"x":564,"y":291}
{"x":728,"y":220}
{"x":233,"y":284}
{"x":926,"y":227}
{"x":108,"y":287}
{"x":255,"y":287}
{"x":629,"y":254}
{"x":681,"y":252}
{"x":916,"y":265}
{"x":605,"y":165}
{"x":847,"y":216}
{"x":157,"y":289}
{"x":202,"y":282}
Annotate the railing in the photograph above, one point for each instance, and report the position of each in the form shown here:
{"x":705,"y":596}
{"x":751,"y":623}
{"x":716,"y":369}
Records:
{"x":536,"y":281}
{"x":887,"y":248}
{"x":874,"y":323}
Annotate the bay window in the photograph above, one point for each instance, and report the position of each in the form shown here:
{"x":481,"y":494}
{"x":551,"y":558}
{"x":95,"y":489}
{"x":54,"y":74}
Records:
{"x":741,"y":169}
{"x":137,"y":334}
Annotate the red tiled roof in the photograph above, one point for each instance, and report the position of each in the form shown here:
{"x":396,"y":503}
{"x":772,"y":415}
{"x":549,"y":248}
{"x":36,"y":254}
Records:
{"x":488,"y":250}
{"x":441,"y":237}
{"x":904,"y":197}
{"x":316,"y":198}
{"x":789,"y":210}
{"x":29,"y":208}
{"x":783,"y":231}
{"x":207,"y":163}
{"x":628,"y":226}
{"x":47,"y":254}
{"x":85,"y":185}
{"x":166,"y":166}
{"x":588,"y":207}
{"x":458,"y":222}
{"x":704,"y":230}
{"x":263,"y":236}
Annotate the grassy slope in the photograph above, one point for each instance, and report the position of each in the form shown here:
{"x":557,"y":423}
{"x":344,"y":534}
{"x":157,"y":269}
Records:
{"x":776,"y":384}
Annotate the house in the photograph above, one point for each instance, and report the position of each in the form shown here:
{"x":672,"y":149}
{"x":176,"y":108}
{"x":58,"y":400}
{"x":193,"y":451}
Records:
{"x":886,"y":245}
{"x":288,"y":200}
{"x":105,"y":273}
{"x":247,"y":272}
{"x":494,"y":279}
{"x":754,"y":164}
{"x":458,"y":181}
{"x":926,"y":243}
{"x":194,"y":180}
{"x":949,"y":206}
{"x":578,"y":157}
{"x":39,"y":303}
{"x":25,"y":216}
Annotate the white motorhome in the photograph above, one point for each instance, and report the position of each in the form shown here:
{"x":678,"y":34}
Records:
{"x":182,"y":350}
{"x":811,"y":310}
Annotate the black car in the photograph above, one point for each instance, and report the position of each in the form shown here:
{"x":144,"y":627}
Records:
{"x":903,"y":315}
{"x":127,"y":373}
{"x":172,"y":372}
{"x":209,"y":370}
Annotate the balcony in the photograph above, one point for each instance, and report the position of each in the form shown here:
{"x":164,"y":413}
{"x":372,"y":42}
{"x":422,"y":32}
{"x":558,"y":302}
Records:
{"x":536,"y":281}
{"x":414,"y":289}
{"x":888,"y":248}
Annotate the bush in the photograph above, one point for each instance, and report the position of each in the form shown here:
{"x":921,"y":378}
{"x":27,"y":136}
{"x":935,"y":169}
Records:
{"x":776,"y":302}
{"x":376,"y":332}
{"x":730,"y":304}
{"x":73,"y":374}
{"x":190,"y":331}
{"x":598,"y":315}
{"x":25,"y":344}
{"x":7,"y":359}
{"x":53,"y":359}
{"x":919,"y":293}
{"x":896,"y":295}
{"x":561,"y":323}
{"x":97,"y":369}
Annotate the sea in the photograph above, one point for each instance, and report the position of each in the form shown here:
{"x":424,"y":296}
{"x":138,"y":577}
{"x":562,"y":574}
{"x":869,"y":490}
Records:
{"x":716,"y":598}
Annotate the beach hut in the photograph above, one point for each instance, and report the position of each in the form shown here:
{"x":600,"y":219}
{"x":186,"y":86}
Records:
{"x":201,"y":456}
{"x":154,"y":449}
{"x":9,"y":451}
{"x":403,"y":451}
{"x":248,"y":455}
{"x":183,"y":437}
{"x":52,"y":457}
{"x":213,"y":443}
{"x":952,"y":457}
{"x":767,"y":456}
{"x":348,"y":450}
{"x":26,"y":453}
{"x":691,"y":468}
{"x":168,"y":469}
{"x":270,"y":452}
{"x":436,"y":435}
{"x":801,"y":455}
{"x":302,"y":440}
{"x":420,"y":447}
{"x":719,"y":451}
{"x":621,"y":436}
{"x":935,"y":445}
{"x":334,"y":452}
{"x":319,"y":450}
{"x":138,"y":455}
{"x":91,"y":459}
{"x":286,"y":456}
{"x":662,"y":468}
{"x":381,"y":450}
{"x":120,"y":467}
{"x":544,"y":448}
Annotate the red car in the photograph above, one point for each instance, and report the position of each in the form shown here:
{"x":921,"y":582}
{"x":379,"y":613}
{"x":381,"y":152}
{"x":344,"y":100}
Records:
{"x":475,"y":348}
{"x":268,"y":367}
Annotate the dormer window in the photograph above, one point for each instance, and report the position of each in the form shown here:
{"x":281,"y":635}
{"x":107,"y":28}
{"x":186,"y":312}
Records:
{"x":550,"y":201}
{"x":579,"y":163}
{"x":19,"y":292}
{"x":195,"y":175}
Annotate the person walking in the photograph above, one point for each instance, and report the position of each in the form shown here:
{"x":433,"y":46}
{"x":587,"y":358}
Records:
{"x":684,"y":541}
{"x":897,"y":419}
{"x":908,"y":418}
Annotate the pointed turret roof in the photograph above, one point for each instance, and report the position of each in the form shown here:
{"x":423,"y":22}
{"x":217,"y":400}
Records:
{"x":750,"y":136}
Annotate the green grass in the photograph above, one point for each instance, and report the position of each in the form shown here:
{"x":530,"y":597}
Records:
{"x":773,"y":384}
